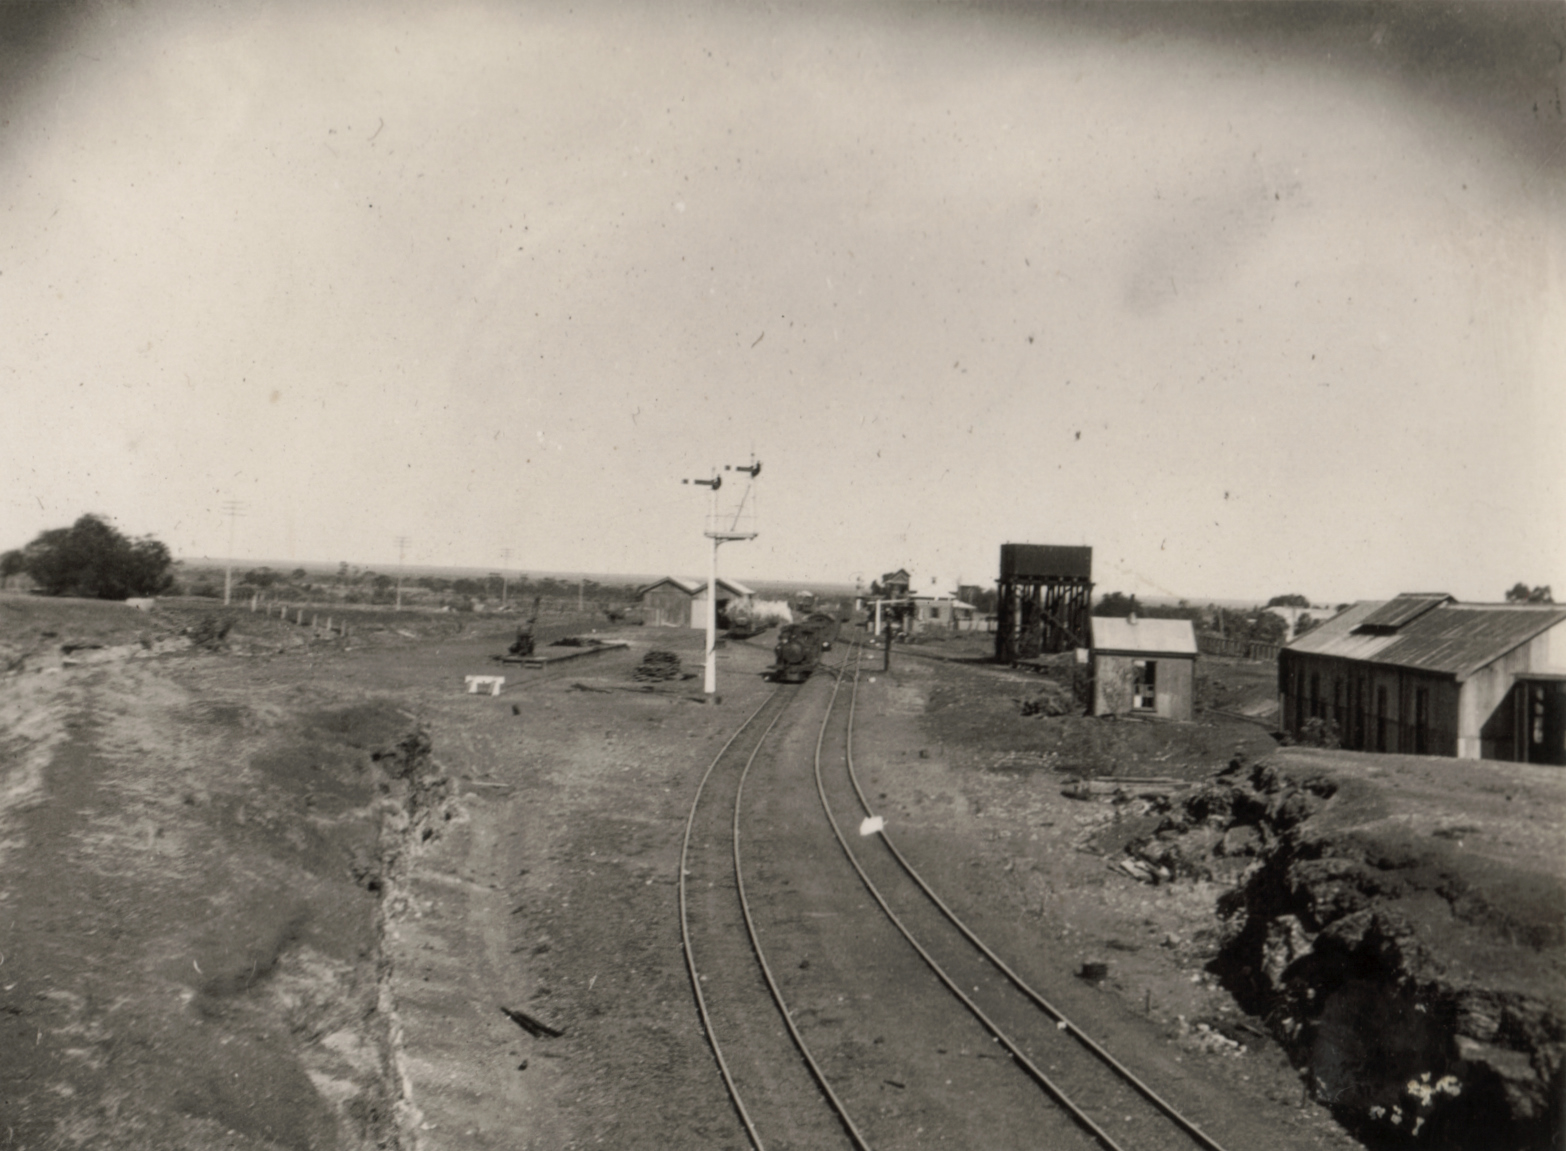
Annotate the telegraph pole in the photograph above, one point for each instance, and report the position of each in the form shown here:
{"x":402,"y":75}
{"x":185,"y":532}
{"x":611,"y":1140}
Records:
{"x":233,"y":509}
{"x":719,"y":532}
{"x":402,"y":550}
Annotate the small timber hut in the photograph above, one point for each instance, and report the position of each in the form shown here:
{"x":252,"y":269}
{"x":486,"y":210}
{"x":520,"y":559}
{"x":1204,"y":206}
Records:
{"x":1423,"y":674}
{"x":1144,"y":667}
{"x":1044,"y":601}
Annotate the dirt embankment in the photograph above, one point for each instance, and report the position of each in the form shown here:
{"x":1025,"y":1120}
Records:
{"x":199,"y":872}
{"x":1399,"y":924}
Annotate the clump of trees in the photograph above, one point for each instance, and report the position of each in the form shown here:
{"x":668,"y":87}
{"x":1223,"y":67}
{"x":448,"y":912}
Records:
{"x":1261,"y":627}
{"x":93,"y":559}
{"x":1293,"y":599}
{"x":1522,"y":593}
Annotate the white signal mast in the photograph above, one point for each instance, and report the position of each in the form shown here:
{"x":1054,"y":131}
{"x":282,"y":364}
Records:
{"x":728,"y":525}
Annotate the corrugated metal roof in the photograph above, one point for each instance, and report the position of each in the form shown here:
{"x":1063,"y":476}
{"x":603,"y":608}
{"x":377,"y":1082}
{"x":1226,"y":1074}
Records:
{"x":1145,"y":636}
{"x":687,"y":586}
{"x":1462,"y":639}
{"x":1452,"y":639}
{"x":1404,"y":609}
{"x":1336,"y":636}
{"x":697,"y":587}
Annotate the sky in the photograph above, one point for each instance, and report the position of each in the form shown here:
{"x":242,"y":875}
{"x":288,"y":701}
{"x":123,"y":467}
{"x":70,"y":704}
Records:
{"x":1251,"y":299}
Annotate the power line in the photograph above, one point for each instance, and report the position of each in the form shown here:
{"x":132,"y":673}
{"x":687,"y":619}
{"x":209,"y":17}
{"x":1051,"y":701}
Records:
{"x":402,"y":550}
{"x":233,"y":509}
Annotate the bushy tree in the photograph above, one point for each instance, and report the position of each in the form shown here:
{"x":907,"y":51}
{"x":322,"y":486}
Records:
{"x":91,"y":558}
{"x":12,"y":563}
{"x":1522,"y":593}
{"x":262,"y":577}
{"x":1270,"y":627}
{"x":1293,"y":599}
{"x":1116,"y":604}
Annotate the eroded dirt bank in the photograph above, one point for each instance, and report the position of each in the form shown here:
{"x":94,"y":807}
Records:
{"x":194,"y":860}
{"x":1398,"y":922}
{"x":281,"y":901}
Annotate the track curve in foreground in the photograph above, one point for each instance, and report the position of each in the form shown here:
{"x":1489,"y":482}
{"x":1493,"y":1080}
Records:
{"x":1061,"y":1023}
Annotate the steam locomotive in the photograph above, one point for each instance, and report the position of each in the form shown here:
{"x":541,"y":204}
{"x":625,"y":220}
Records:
{"x":800,"y":646}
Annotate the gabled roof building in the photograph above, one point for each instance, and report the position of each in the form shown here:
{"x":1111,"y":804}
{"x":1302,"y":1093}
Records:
{"x":1424,"y":674}
{"x":676,"y":602}
{"x":1144,"y":667}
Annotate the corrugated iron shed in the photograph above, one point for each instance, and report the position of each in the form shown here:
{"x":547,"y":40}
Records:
{"x":1449,"y":639}
{"x":1143,"y":637}
{"x":1404,"y":609}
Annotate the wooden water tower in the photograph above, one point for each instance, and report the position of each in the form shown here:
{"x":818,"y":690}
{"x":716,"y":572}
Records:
{"x":1045,"y":601}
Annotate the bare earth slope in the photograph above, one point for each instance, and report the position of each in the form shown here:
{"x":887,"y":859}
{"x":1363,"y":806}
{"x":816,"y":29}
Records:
{"x":277,"y":894}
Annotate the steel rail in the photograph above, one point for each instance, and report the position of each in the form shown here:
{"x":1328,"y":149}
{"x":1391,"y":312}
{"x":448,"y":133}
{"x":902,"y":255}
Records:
{"x":685,"y":928}
{"x":837,"y":1104}
{"x":1168,"y":1109}
{"x":1034,"y":1072}
{"x":816,"y":1071}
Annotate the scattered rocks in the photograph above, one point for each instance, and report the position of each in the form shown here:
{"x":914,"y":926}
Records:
{"x":1322,"y":936}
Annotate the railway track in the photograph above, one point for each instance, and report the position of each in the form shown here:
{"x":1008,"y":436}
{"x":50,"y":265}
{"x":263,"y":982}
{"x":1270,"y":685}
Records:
{"x":1066,"y":1062}
{"x":743,"y":1009}
{"x":846,"y":1003}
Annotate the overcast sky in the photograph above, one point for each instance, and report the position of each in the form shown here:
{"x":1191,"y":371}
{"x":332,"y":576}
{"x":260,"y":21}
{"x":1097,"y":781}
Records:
{"x":1251,"y":299}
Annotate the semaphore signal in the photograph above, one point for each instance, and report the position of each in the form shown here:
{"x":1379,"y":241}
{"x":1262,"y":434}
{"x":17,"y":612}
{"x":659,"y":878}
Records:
{"x":724,"y":528}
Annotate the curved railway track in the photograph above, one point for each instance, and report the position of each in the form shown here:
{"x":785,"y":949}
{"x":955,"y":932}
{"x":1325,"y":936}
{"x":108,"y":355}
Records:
{"x":768,"y":1080}
{"x":780,"y":1041}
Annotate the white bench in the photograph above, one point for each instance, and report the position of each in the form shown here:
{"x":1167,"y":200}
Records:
{"x":493,"y":683}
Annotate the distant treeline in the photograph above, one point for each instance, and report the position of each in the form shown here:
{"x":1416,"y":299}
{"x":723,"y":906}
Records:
{"x":359,"y":585}
{"x":1261,"y":626}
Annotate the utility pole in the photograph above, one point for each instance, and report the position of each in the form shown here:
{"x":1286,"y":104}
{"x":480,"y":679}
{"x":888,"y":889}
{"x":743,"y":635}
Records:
{"x":719,"y":532}
{"x":402,"y":550}
{"x":233,"y":509}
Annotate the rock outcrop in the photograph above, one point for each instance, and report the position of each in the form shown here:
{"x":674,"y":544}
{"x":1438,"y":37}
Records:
{"x":1419,"y":988}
